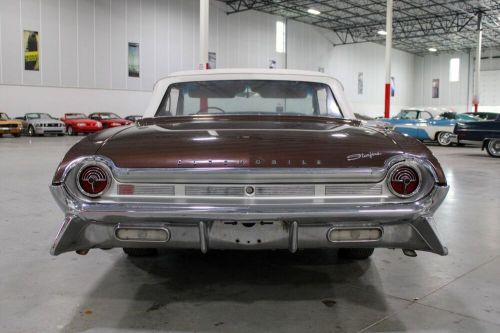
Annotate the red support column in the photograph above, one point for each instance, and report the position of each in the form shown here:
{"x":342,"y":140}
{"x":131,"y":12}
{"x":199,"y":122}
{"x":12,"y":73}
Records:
{"x":387,"y":109}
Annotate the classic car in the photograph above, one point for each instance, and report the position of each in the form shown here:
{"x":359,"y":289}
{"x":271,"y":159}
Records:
{"x":41,"y":124}
{"x":133,"y":118}
{"x":109,"y":120}
{"x":249,"y":159}
{"x":428,"y":124}
{"x":9,"y":126}
{"x":485,"y":133}
{"x":80,"y":123}
{"x":372,"y":122}
{"x":484,"y":115}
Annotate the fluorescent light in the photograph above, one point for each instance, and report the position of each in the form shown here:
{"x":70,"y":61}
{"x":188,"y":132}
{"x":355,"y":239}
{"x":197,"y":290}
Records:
{"x":382,"y":32}
{"x":432,"y":49}
{"x":313,"y":11}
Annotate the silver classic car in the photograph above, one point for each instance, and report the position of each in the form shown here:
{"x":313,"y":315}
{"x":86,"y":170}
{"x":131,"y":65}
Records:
{"x":250,"y":160}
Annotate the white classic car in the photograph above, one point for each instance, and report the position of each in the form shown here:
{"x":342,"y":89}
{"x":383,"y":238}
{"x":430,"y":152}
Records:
{"x":428,"y":124}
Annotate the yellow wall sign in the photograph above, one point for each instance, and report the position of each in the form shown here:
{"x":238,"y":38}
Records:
{"x":31,"y":44}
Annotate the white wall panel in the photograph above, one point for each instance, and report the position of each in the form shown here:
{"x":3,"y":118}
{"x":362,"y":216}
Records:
{"x":147,"y":48}
{"x":69,"y":43}
{"x":57,"y":101}
{"x":173,"y":40}
{"x":11,"y":38}
{"x":50,"y":42}
{"x":86,"y":69}
{"x":347,"y":61}
{"x":103,"y":44}
{"x":119,"y":47}
{"x":163,"y":40}
{"x":454,"y":95}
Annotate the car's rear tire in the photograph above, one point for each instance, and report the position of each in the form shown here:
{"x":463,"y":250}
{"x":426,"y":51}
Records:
{"x":356,"y":253}
{"x":140,"y":252}
{"x":493,"y":148}
{"x":444,"y":138}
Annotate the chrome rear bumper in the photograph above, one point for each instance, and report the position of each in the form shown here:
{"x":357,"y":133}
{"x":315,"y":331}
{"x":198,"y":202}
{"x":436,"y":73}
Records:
{"x":406,"y":225}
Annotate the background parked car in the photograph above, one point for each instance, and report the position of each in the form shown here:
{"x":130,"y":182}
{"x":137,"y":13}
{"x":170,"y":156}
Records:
{"x":133,"y":118}
{"x":41,"y":124}
{"x":80,"y":123}
{"x":10,"y":126}
{"x":109,"y":119}
{"x":485,"y":133}
{"x":428,"y":124}
{"x":484,"y":115}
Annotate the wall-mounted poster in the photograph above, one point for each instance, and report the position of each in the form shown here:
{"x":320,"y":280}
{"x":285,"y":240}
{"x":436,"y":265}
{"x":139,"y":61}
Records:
{"x":31,"y":53}
{"x":435,"y":88}
{"x":393,"y":86}
{"x":212,"y":60}
{"x":360,"y":83}
{"x":133,"y":60}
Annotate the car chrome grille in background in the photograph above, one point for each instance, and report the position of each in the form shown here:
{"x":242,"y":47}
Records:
{"x":353,"y":189}
{"x":238,"y":191}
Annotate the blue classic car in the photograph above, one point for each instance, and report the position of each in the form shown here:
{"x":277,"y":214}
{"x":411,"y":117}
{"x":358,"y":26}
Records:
{"x":428,"y":124}
{"x":485,"y":133}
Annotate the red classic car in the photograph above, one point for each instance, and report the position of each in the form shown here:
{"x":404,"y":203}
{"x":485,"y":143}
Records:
{"x":80,"y":123}
{"x":109,"y":119}
{"x":251,"y":160}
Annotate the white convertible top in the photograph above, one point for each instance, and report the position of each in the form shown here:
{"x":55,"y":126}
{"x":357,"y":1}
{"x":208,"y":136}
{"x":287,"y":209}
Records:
{"x":162,"y":85}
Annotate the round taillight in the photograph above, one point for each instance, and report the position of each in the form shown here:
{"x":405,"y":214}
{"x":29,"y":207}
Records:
{"x":93,"y":180}
{"x":404,"y":181}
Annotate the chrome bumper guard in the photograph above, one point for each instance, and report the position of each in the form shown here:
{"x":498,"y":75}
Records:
{"x":402,"y":225}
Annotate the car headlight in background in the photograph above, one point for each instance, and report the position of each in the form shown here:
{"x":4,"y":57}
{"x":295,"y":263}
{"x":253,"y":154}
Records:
{"x":39,"y":125}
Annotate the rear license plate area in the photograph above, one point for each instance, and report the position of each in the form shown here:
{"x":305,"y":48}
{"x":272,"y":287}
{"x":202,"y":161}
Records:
{"x":248,"y":233}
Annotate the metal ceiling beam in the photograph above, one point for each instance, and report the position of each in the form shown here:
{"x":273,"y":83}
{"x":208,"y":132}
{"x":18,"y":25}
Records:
{"x":446,"y":25}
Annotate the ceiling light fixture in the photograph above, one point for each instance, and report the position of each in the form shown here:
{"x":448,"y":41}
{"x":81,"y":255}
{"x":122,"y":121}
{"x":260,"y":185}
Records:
{"x":313,"y":11}
{"x":432,"y":49}
{"x":382,"y":32}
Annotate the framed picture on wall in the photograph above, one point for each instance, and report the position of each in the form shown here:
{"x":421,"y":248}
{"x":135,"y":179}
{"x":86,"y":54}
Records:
{"x":435,"y":88}
{"x":212,"y":60}
{"x":31,"y":42}
{"x":133,"y":60}
{"x":360,"y":83}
